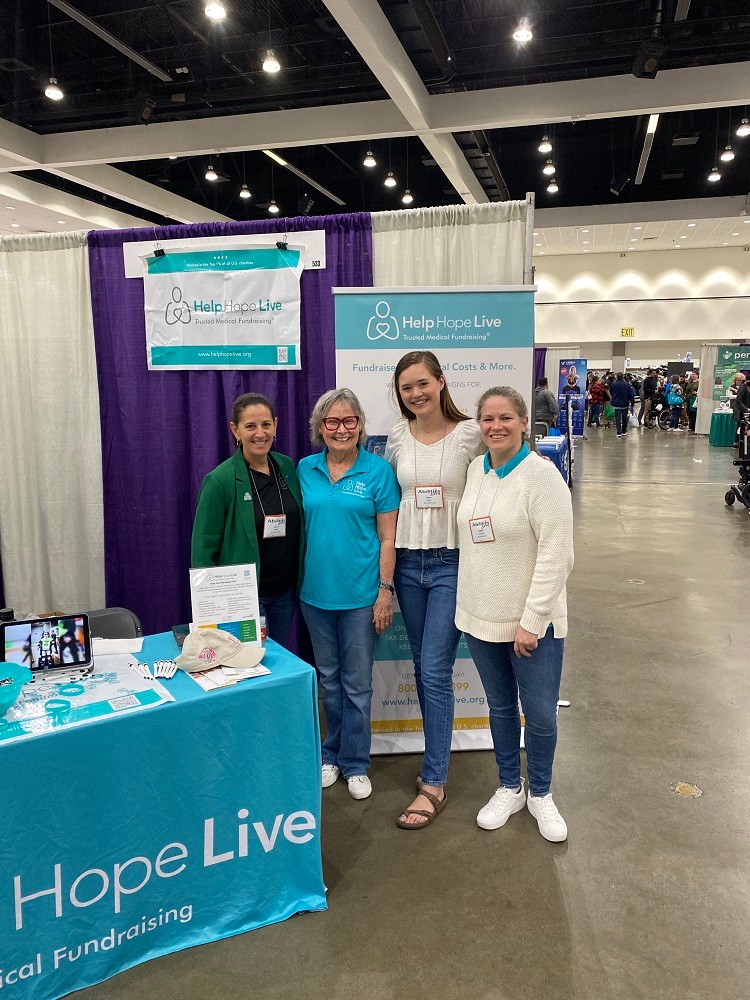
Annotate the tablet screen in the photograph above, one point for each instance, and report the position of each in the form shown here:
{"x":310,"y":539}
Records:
{"x":48,"y":643}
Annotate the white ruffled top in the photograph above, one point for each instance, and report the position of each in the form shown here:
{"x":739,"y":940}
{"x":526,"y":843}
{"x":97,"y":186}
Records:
{"x":446,"y":463}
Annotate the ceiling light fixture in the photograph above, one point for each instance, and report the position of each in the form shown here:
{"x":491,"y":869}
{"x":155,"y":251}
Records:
{"x":172,"y":157}
{"x":691,"y":225}
{"x":548,"y":168}
{"x":545,"y":146}
{"x":408,"y":197}
{"x":637,"y":228}
{"x":728,"y":155}
{"x":53,"y":91}
{"x":275,"y":157}
{"x":303,"y":176}
{"x":735,"y":234}
{"x":271,"y":64}
{"x":61,"y":222}
{"x":584,"y":230}
{"x":552,"y":187}
{"x":390,"y":180}
{"x":369,"y":160}
{"x":211,"y":174}
{"x":743,"y":129}
{"x":215,"y":11}
{"x":714,"y":175}
{"x":245,"y":192}
{"x":523,"y":32}
{"x":273,"y":208}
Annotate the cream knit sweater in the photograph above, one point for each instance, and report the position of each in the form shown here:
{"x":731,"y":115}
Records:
{"x":519,"y":579}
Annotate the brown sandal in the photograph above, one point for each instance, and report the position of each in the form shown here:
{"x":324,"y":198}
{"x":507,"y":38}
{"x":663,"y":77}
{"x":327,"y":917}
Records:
{"x":438,"y":805}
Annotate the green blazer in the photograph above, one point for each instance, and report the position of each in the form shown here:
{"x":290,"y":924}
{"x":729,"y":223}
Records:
{"x":224,"y":527}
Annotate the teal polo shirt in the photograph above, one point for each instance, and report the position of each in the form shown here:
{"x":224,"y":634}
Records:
{"x":342,"y":558}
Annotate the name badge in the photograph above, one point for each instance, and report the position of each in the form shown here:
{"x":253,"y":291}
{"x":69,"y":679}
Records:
{"x":481,"y":529}
{"x":428,"y":497}
{"x":274,"y":526}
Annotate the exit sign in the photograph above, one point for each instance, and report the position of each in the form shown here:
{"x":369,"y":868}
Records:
{"x":627,"y":331}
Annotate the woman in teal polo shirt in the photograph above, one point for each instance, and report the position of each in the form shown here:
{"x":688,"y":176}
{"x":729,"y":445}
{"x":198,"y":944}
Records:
{"x":351,"y":500}
{"x":250,"y":511}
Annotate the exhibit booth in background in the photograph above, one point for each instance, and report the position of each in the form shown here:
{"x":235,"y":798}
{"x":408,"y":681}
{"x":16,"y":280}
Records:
{"x":104,"y":458}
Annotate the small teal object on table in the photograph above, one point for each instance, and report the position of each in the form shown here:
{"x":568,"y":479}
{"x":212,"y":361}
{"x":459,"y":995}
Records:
{"x":16,"y":676}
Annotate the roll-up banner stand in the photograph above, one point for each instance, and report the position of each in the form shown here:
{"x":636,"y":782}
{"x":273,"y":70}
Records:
{"x":482,"y":337}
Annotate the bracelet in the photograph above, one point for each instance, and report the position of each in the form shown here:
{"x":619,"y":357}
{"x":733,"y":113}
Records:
{"x":387,"y":586}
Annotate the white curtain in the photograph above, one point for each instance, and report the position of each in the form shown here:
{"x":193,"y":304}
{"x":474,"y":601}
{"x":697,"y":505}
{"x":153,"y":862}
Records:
{"x":51,"y":520}
{"x":706,"y":405}
{"x":552,"y":363}
{"x":454,"y":245}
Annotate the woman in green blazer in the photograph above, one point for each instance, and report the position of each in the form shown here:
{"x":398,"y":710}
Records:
{"x":250,"y":511}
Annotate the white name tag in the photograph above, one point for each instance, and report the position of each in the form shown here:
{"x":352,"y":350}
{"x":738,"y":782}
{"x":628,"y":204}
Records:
{"x":481,"y":529}
{"x":274,"y":526}
{"x":428,"y":497}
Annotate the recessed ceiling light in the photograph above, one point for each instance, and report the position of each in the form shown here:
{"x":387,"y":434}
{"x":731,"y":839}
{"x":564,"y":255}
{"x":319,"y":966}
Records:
{"x":11,"y":207}
{"x":61,"y":222}
{"x":536,"y":234}
{"x":735,"y":234}
{"x":587,"y":251}
{"x":691,"y":225}
{"x":684,"y":237}
{"x":678,"y":246}
{"x":584,"y":230}
{"x":587,"y":241}
{"x":542,"y":253}
{"x":633,"y":239}
{"x":725,"y":244}
{"x":15,"y":225}
{"x":746,"y":221}
{"x":538,"y":244}
{"x":631,"y":248}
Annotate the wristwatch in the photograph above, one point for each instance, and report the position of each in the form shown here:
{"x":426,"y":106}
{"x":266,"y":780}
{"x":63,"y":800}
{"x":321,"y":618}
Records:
{"x":387,"y":586}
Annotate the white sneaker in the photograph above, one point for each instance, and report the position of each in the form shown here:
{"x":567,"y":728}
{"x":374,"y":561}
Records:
{"x":359,"y":786}
{"x":330,"y":775}
{"x":551,"y":824}
{"x":501,"y":807}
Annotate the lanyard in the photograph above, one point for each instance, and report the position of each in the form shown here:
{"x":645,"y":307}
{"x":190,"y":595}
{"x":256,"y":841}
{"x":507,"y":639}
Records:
{"x":501,"y":473}
{"x":274,"y":476}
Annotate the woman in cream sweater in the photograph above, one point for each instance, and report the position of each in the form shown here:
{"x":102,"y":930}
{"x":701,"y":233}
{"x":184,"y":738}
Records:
{"x":515,"y":525}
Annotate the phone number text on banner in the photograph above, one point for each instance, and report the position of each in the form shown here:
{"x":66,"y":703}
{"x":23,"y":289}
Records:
{"x":223,"y":309}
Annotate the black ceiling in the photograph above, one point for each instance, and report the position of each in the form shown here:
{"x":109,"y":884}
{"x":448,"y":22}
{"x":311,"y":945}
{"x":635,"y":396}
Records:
{"x":454,"y":45}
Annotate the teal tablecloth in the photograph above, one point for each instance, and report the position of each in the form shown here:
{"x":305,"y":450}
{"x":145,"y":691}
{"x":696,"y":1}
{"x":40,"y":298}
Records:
{"x":723,"y":430}
{"x":140,"y":835}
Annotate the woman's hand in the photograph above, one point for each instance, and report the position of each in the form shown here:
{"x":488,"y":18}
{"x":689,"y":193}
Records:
{"x":525,"y":642}
{"x":382,"y":611}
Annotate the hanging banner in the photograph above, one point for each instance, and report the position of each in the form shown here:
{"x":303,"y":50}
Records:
{"x":223,"y":309}
{"x":571,"y":394}
{"x":482,"y":337}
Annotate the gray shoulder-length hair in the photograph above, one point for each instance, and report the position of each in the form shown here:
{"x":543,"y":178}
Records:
{"x":323,"y":407}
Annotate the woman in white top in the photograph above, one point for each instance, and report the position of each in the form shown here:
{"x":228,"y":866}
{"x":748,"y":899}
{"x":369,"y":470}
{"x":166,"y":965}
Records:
{"x":515,"y":527}
{"x":430,"y":450}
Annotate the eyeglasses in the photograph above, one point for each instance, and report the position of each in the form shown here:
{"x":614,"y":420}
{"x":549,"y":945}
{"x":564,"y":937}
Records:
{"x":333,"y":423}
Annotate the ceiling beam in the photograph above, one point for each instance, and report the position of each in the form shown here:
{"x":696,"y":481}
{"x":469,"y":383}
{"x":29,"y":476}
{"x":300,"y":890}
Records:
{"x":602,"y":97}
{"x":725,"y":207}
{"x":90,"y":215}
{"x":369,"y":30}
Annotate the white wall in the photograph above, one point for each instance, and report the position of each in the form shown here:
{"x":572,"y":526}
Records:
{"x":675,"y":300}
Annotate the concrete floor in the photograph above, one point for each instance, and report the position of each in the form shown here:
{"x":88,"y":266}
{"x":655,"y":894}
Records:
{"x":649,"y":896}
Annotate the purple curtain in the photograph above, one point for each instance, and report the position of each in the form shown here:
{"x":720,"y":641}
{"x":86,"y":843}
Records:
{"x":540,"y":358}
{"x":163,"y":431}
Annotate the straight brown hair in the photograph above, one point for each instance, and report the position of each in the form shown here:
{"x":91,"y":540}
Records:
{"x":431,"y":363}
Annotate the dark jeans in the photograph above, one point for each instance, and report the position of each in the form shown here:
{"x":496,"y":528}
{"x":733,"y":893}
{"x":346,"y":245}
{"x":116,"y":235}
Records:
{"x":621,"y":419}
{"x":278,"y":612}
{"x":675,"y":418}
{"x":595,"y":411}
{"x":536,"y":680}
{"x":692,"y":414}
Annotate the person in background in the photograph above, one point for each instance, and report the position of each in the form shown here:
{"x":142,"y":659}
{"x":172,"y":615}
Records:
{"x":649,"y":388}
{"x":515,"y":525}
{"x":734,"y":386}
{"x":430,"y":449}
{"x":351,"y":500}
{"x":546,"y":409}
{"x":691,"y":399}
{"x":250,"y":511}
{"x":623,"y":398}
{"x":740,"y":404}
{"x":676,"y":402}
{"x":600,"y":396}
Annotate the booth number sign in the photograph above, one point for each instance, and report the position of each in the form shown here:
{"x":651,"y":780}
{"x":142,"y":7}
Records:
{"x":627,"y":331}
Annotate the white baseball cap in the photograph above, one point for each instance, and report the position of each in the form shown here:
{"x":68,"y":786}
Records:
{"x":213,"y":647}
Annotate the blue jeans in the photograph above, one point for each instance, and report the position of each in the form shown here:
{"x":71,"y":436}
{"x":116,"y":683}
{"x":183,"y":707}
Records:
{"x":344,"y":643}
{"x":278,"y":612}
{"x":425,"y":581}
{"x":621,"y":419}
{"x":595,"y":412}
{"x":674,"y":420}
{"x":536,"y":679}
